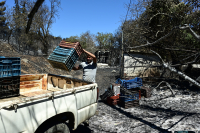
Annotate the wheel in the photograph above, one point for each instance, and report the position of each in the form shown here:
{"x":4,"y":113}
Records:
{"x":58,"y":128}
{"x":53,"y":127}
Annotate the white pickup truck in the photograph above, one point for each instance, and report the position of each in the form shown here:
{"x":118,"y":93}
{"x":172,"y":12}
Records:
{"x":48,"y":103}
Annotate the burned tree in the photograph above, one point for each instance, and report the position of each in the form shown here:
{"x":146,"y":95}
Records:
{"x":170,"y":29}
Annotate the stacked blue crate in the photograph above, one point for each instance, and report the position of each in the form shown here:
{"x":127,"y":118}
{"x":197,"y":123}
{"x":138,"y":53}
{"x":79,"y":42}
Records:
{"x":10,"y":71}
{"x":10,"y":67}
{"x":63,"y":58}
{"x":130,"y":85}
{"x":127,"y":98}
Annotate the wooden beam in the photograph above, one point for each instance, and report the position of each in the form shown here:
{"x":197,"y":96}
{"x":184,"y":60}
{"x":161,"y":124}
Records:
{"x":31,"y":77}
{"x":44,"y":82}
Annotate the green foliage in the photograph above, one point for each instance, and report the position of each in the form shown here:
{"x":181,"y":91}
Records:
{"x":105,"y":40}
{"x":72,"y":39}
{"x":86,"y":40}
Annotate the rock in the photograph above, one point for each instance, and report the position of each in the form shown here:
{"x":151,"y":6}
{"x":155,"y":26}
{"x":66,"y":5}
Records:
{"x":113,"y":71}
{"x":24,"y":60}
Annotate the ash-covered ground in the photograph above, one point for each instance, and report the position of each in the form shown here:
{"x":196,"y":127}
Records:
{"x":160,"y":113}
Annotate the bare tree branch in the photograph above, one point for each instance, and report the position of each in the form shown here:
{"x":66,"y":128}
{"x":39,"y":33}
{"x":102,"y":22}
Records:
{"x":32,"y":13}
{"x":186,"y":27}
{"x":184,"y":50}
{"x":168,"y":85}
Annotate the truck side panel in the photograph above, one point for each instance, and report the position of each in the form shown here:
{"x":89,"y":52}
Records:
{"x":86,"y":103}
{"x":86,"y":113}
{"x":86,"y":97}
{"x":69,"y":95}
{"x":29,"y":116}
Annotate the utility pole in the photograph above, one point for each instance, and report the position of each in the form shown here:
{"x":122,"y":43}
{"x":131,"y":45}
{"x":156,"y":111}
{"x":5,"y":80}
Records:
{"x":122,"y":57}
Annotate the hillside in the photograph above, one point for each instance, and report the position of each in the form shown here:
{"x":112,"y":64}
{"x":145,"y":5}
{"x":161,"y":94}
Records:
{"x":32,"y":64}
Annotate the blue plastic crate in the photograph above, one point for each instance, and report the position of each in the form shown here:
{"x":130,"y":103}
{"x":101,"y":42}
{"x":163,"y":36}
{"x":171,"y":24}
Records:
{"x":10,"y":66}
{"x":63,"y":58}
{"x":59,"y":58}
{"x":128,"y":84}
{"x":127,"y":98}
{"x":64,"y":51}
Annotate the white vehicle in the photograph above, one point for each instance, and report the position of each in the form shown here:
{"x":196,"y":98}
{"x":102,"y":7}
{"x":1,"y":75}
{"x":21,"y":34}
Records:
{"x":48,"y":103}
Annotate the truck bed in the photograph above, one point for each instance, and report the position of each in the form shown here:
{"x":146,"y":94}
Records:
{"x":37,"y":86}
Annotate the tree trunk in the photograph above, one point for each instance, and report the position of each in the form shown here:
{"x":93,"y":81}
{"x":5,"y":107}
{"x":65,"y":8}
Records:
{"x":187,"y":78}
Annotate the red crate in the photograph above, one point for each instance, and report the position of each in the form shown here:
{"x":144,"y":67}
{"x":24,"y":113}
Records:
{"x":76,"y":46}
{"x":113,"y":100}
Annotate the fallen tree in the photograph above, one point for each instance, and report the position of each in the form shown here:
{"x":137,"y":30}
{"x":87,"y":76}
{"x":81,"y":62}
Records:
{"x":168,"y":65}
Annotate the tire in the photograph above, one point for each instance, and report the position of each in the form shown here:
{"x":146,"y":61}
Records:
{"x":58,"y":128}
{"x":54,"y":127}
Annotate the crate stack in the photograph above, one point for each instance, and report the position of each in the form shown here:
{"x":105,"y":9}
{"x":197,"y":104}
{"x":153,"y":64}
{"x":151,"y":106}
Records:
{"x":127,"y":100}
{"x":65,"y":55}
{"x":10,"y":71}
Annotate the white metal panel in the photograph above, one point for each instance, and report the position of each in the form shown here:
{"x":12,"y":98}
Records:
{"x":86,"y":97}
{"x":86,"y":113}
{"x":30,"y":115}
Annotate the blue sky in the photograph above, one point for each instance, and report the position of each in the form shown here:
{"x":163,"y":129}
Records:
{"x":79,"y":16}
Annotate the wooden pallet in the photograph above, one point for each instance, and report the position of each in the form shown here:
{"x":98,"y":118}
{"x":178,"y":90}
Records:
{"x":129,"y":104}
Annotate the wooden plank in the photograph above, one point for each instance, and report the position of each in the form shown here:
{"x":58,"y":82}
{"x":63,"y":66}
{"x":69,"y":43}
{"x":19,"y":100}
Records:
{"x":77,"y":84}
{"x":69,"y":85}
{"x":27,"y":90}
{"x":44,"y":82}
{"x":84,"y":83}
{"x":65,"y":84}
{"x":62,"y":83}
{"x":28,"y":86}
{"x":59,"y":83}
{"x":35,"y":93}
{"x":54,"y":81}
{"x":49,"y":82}
{"x":30,"y":77}
{"x":29,"y":82}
